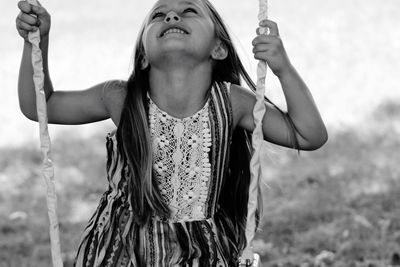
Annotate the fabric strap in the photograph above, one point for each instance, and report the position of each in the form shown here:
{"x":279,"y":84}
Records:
{"x":255,"y":163}
{"x":45,"y":144}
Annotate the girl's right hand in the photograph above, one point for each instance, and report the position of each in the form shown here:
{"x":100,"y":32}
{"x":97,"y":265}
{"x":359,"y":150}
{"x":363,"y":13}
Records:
{"x":32,"y":18}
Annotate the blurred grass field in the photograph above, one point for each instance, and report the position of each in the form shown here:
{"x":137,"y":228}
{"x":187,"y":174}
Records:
{"x":342,"y":199}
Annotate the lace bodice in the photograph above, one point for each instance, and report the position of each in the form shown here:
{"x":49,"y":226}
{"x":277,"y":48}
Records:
{"x":181,"y":160}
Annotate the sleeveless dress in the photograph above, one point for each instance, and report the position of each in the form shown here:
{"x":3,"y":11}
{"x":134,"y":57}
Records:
{"x":190,"y":161}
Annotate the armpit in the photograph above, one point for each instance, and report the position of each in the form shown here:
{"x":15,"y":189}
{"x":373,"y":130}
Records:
{"x":113,"y":95}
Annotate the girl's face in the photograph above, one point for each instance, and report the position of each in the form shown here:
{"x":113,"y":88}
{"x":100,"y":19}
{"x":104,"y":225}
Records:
{"x":181,"y":28}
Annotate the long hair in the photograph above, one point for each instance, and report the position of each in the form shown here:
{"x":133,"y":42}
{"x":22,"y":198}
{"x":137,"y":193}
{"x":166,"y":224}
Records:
{"x":135,"y":145}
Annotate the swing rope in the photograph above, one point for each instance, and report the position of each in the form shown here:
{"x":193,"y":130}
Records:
{"x":45,"y":144}
{"x":248,"y":257}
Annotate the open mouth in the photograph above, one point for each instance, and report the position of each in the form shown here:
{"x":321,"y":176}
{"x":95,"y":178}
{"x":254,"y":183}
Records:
{"x":173,"y":30}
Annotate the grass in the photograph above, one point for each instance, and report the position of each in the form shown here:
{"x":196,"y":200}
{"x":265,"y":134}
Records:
{"x":342,"y":198}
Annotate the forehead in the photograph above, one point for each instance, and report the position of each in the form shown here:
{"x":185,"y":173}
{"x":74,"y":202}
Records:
{"x":172,"y":3}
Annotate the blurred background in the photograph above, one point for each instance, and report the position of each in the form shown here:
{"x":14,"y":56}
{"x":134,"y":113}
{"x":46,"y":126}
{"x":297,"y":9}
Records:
{"x":337,"y":206}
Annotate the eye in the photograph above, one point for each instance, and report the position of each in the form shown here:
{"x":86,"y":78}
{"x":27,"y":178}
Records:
{"x":190,"y":10}
{"x":157,"y":15}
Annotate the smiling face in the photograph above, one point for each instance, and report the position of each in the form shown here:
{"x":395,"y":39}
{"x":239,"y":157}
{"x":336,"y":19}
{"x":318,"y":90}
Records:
{"x":179,"y":28}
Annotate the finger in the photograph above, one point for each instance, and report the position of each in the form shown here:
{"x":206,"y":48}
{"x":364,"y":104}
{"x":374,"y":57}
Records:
{"x":267,"y":39}
{"x":262,"y":31}
{"x":29,"y":19}
{"x":262,"y":48}
{"x":34,"y":3}
{"x":24,"y":34}
{"x":24,"y":7}
{"x":261,"y":55}
{"x":271,"y":25}
{"x":21,"y":25}
{"x":39,"y":10}
{"x":32,"y":9}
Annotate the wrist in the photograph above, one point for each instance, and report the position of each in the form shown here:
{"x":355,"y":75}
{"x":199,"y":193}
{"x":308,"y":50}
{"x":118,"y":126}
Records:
{"x":44,"y":38}
{"x":44,"y":42}
{"x":27,"y":43}
{"x":286,"y":72}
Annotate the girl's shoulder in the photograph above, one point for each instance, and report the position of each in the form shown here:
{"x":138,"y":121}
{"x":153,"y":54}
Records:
{"x":114,"y":93}
{"x":242,"y":101}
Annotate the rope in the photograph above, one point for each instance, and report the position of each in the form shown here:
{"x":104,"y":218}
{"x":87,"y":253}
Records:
{"x":45,"y":144}
{"x":248,"y":257}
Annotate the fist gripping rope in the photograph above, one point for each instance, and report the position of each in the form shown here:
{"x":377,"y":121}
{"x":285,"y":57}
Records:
{"x":45,"y":144}
{"x":248,"y":258}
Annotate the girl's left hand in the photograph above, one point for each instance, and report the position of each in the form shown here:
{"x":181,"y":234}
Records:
{"x":270,"y":48}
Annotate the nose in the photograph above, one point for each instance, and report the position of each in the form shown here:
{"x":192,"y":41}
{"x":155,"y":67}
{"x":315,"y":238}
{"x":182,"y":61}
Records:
{"x":172,"y":17}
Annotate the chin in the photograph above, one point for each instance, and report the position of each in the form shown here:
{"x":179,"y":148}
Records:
{"x":176,"y":49}
{"x":179,"y":58}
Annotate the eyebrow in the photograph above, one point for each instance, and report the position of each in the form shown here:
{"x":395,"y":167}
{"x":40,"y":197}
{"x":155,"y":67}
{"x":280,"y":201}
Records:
{"x":190,"y":3}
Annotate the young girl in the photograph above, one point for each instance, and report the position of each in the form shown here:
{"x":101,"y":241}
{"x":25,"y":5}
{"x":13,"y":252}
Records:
{"x":178,"y":162}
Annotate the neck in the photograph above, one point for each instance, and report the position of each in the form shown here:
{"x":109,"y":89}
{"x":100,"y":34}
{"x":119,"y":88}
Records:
{"x":180,"y":91}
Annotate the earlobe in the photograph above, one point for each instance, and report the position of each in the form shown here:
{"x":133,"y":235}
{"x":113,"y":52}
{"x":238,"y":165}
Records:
{"x":144,"y":63}
{"x":220,"y":52}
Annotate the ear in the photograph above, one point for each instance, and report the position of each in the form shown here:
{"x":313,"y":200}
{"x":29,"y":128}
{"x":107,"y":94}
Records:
{"x":220,"y":52}
{"x":144,"y":63}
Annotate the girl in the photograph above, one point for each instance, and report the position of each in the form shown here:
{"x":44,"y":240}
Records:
{"x":178,"y":162}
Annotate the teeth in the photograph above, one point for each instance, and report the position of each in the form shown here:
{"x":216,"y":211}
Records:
{"x":174,"y":30}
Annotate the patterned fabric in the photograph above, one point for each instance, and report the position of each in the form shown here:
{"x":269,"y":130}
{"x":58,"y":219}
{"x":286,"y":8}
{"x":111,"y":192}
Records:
{"x":188,"y":238}
{"x":181,"y":162}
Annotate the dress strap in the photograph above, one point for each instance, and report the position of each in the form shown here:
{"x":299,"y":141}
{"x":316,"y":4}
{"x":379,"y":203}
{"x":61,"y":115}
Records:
{"x":228,"y":87}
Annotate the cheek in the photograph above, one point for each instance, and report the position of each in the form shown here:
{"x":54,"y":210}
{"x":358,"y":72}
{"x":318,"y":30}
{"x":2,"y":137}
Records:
{"x":210,"y":37}
{"x":145,"y":42}
{"x":148,"y":41}
{"x":208,"y":33}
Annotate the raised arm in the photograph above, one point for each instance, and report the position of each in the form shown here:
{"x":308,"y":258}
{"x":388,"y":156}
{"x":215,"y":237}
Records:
{"x":301,"y":108}
{"x":64,"y":107}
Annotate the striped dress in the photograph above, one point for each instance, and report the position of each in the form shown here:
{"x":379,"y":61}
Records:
{"x":195,"y":233}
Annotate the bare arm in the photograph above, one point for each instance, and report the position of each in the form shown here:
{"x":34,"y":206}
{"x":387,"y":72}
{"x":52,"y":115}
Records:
{"x":64,"y":107}
{"x":309,"y":129}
